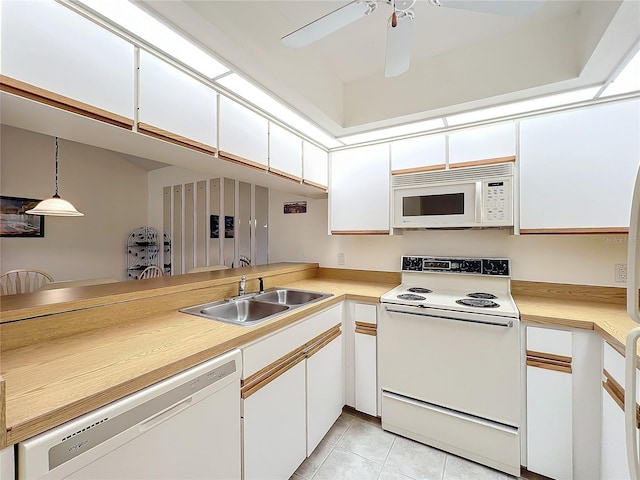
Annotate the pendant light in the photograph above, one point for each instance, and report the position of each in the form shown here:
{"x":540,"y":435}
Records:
{"x":55,"y":206}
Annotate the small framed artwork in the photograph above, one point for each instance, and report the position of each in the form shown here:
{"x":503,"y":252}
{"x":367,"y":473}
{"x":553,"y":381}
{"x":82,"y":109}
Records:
{"x":14,"y":222}
{"x":295,"y":207}
{"x":214,"y":226}
{"x":228,"y":227}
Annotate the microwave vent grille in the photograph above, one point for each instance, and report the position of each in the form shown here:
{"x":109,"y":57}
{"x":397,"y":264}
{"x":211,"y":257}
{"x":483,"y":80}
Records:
{"x":453,"y":175}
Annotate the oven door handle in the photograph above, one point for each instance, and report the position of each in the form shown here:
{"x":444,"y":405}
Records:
{"x":483,"y":322}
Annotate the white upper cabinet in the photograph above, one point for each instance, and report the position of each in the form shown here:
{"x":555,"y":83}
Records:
{"x":359,"y":190}
{"x":483,"y":143}
{"x":577,"y":168}
{"x":47,"y":45}
{"x":285,"y":152}
{"x":315,"y":165}
{"x":420,"y":153}
{"x":175,"y":102}
{"x":243,"y":134}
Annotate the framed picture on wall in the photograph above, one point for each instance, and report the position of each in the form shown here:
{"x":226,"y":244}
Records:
{"x":14,"y":222}
{"x":214,"y":226}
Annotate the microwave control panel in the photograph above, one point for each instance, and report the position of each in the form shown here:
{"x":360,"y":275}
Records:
{"x":497,"y":201}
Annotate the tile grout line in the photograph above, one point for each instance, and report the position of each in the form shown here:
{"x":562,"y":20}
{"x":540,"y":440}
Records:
{"x":384,"y":463}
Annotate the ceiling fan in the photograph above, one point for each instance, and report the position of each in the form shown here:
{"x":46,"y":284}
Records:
{"x":399,"y":26}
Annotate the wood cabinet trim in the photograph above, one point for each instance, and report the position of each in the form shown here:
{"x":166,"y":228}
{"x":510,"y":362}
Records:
{"x":174,"y":138}
{"x":549,"y":365}
{"x":325,"y":341}
{"x":26,"y":90}
{"x":359,"y":232}
{"x":574,"y":231}
{"x":314,"y":184}
{"x":366,"y":328}
{"x":249,"y":390}
{"x":270,"y":372}
{"x":428,"y":168}
{"x":616,"y":392}
{"x":230,"y":157}
{"x":286,"y":175}
{"x":548,"y":356}
{"x":3,"y":414}
{"x":486,"y":161}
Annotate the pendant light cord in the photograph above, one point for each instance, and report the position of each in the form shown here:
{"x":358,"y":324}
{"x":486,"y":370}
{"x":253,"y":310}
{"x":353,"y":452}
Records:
{"x":55,"y":195}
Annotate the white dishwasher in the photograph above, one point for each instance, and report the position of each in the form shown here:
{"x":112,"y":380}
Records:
{"x":184,"y":427}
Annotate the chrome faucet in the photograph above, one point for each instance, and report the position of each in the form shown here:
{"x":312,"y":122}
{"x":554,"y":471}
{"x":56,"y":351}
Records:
{"x":243,"y":284}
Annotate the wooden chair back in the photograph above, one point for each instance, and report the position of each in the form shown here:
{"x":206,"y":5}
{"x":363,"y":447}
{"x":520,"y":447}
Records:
{"x":23,"y":281}
{"x":151,"y":272}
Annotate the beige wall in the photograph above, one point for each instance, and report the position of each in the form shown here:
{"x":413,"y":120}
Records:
{"x":110,"y":191}
{"x":577,"y":259}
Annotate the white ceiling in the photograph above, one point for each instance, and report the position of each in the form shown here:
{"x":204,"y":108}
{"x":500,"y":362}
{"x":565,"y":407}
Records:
{"x":460,"y":59}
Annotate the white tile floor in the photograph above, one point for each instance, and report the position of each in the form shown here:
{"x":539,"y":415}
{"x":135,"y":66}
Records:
{"x":360,"y":450}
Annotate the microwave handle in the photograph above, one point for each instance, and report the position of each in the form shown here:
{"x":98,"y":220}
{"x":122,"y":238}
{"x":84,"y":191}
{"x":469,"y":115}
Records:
{"x":478,"y":202}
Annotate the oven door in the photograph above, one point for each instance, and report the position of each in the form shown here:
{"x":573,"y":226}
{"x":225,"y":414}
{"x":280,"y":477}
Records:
{"x":469,"y":363}
{"x":457,"y":205}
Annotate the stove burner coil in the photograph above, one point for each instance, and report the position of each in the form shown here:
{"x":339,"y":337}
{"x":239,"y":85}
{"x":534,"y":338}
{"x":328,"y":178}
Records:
{"x":410,"y":296}
{"x":477,"y":302}
{"x":486,"y":296}
{"x":419,"y":290}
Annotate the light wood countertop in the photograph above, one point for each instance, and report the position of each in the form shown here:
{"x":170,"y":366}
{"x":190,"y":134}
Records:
{"x":65,"y":356}
{"x":51,"y":380}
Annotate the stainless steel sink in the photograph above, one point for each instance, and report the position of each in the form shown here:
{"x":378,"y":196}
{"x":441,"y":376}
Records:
{"x":240,"y":312}
{"x":287,"y":296}
{"x":253,"y":309}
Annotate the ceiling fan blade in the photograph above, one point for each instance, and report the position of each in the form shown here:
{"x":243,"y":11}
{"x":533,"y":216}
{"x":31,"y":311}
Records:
{"x":496,"y":7}
{"x":328,"y":24}
{"x":398,"y":46}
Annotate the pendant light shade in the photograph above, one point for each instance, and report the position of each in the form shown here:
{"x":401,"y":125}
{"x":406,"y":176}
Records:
{"x":55,"y":206}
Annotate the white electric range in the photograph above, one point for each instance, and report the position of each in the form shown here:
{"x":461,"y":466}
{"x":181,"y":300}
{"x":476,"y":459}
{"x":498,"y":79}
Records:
{"x":449,"y":358}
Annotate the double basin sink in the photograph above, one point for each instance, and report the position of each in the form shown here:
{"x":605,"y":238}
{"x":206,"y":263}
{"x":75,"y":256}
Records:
{"x":252,"y":309}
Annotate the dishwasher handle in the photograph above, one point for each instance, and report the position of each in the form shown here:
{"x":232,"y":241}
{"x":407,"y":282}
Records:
{"x":508,"y":324}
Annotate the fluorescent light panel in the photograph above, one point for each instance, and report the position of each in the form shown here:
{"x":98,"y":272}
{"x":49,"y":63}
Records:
{"x":391,"y":132}
{"x":628,"y":80}
{"x":523,"y":107}
{"x":245,"y":89}
{"x":143,"y":25}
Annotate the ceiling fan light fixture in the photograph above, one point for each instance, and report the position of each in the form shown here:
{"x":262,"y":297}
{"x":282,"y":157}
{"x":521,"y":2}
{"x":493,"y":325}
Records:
{"x":55,"y":206}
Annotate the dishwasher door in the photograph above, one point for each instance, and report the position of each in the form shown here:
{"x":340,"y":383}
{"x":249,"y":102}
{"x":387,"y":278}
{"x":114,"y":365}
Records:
{"x":185,"y":427}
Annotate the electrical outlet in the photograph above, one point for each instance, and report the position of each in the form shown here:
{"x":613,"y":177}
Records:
{"x":620,"y":272}
{"x":341,"y":259}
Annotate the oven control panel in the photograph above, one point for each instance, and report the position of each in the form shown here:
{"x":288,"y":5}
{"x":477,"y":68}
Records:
{"x":475,"y":266}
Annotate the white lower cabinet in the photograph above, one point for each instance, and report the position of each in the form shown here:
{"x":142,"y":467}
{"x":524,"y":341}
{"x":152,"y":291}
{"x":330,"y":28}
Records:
{"x":366,"y":388}
{"x":325,"y":397}
{"x":7,"y":464}
{"x":361,"y":364}
{"x":549,"y":426}
{"x":274,"y":427}
{"x":613,"y":464}
{"x":292,"y":394}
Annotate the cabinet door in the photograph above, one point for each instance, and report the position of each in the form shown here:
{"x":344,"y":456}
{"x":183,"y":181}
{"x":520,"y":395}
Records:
{"x":285,"y":153}
{"x":7,"y":463}
{"x":577,"y":168}
{"x":613,"y":464}
{"x":274,"y":426}
{"x":359,"y":190}
{"x":243,"y":134}
{"x":549,"y":424}
{"x":495,"y":142}
{"x":418,"y":154}
{"x":177,"y":103}
{"x":315,"y":165}
{"x":325,"y":396}
{"x":47,"y":45}
{"x":366,"y":388}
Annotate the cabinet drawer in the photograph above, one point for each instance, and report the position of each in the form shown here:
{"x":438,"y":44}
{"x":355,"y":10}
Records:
{"x":266,"y":351}
{"x":366,"y":313}
{"x":549,"y":341}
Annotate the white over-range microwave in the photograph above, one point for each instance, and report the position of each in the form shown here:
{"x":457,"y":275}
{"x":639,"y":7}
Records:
{"x":470,"y":197}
